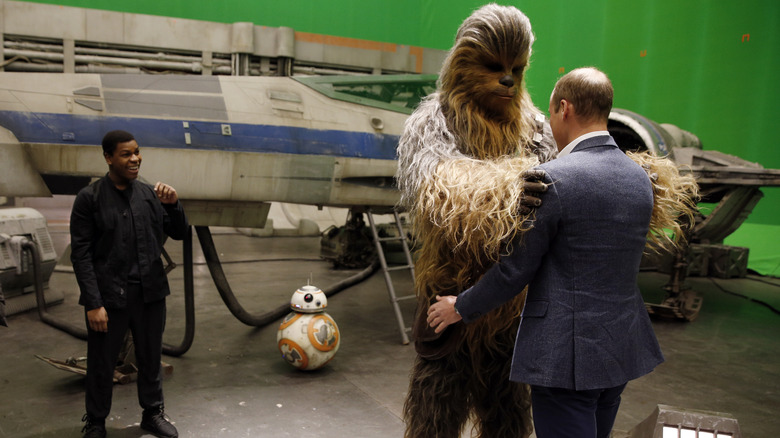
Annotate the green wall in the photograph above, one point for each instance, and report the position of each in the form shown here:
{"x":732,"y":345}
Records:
{"x":706,"y":66}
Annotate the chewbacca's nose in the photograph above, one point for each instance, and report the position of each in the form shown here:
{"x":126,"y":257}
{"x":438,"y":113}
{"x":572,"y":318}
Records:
{"x":507,"y":81}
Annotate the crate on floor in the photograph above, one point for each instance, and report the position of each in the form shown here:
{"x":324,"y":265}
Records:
{"x":698,"y":260}
{"x":728,"y":261}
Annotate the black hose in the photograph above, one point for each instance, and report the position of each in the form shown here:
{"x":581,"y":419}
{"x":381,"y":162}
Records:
{"x":81,"y":333}
{"x":53,"y":321}
{"x":189,"y":302}
{"x":220,"y":281}
{"x":763,"y":303}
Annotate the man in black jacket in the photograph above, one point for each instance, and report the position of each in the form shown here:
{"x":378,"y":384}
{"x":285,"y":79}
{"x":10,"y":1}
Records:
{"x":118,"y":226}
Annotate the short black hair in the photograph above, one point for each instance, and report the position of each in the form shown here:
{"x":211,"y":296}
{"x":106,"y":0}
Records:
{"x":113,"y":138}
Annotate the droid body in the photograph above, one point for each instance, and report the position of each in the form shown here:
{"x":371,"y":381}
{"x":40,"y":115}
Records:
{"x":308,"y":337}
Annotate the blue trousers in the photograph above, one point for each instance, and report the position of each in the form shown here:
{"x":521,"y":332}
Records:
{"x":566,"y":413}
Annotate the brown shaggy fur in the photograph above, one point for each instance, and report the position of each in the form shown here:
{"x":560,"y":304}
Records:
{"x":460,"y":160}
{"x":461,"y":157}
{"x":674,"y":202}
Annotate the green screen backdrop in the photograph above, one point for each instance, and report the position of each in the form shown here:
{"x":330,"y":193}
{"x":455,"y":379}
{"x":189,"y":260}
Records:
{"x":706,"y":66}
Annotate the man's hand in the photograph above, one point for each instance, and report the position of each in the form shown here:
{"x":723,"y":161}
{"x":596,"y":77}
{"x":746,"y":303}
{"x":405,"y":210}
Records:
{"x":165,"y":193}
{"x":442,"y":313}
{"x":532,"y":188}
{"x":98,"y":319}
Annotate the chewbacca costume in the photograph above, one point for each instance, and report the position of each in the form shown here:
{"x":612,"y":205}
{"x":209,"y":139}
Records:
{"x":461,"y":161}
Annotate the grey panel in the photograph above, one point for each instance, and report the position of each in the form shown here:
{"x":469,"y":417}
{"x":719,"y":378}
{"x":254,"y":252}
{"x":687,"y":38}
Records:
{"x":197,"y":84}
{"x":87,"y":91}
{"x":91,"y":104}
{"x":166,"y":105}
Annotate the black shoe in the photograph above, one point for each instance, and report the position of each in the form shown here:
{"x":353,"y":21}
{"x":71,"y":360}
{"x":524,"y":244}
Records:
{"x":154,"y":421}
{"x":92,"y":429}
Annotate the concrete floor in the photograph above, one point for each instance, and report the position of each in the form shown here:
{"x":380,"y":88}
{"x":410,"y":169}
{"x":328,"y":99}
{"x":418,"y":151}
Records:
{"x":233,"y":382}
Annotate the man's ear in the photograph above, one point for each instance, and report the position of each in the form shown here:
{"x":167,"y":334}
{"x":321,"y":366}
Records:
{"x":108,"y":158}
{"x":566,"y":109}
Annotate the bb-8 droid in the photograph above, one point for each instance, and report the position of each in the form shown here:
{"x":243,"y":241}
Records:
{"x":308,"y":338}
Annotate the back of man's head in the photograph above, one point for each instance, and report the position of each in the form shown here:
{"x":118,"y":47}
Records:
{"x":588,"y":90}
{"x":113,"y":138}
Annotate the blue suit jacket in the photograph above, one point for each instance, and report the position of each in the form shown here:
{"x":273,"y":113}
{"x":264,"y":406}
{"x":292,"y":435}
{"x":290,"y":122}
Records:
{"x":584,"y":325}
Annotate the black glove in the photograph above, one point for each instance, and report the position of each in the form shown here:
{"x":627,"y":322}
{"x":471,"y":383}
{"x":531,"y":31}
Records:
{"x":533,"y":187}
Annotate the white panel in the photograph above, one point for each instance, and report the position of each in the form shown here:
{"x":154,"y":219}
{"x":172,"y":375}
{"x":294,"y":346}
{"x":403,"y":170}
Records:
{"x":68,"y":159}
{"x":194,"y":174}
{"x":432,"y":60}
{"x":265,"y":39}
{"x":18,"y":176}
{"x":242,"y":37}
{"x":323,"y":53}
{"x":60,"y":22}
{"x":105,"y":26}
{"x":151,"y":31}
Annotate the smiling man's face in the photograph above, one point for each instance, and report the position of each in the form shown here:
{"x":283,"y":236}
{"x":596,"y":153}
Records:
{"x":124,"y":164}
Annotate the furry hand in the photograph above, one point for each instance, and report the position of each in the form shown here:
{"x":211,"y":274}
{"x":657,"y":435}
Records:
{"x":442,"y":313}
{"x":532,"y":187}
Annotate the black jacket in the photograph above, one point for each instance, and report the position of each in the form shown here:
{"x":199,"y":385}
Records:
{"x":99,"y":228}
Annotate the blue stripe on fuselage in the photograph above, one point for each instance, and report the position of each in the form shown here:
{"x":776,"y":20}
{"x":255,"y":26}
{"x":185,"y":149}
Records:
{"x":89,"y":130}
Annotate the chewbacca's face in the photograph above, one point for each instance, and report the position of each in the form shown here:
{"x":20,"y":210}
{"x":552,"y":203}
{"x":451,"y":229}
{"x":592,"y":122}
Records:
{"x":487,"y":81}
{"x":484,"y":70}
{"x":496,"y":82}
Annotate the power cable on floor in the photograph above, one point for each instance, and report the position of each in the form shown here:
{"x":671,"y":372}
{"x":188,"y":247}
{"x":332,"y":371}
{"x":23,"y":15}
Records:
{"x":69,"y":269}
{"x":292,"y":259}
{"x":763,"y":281}
{"x":763,"y":303}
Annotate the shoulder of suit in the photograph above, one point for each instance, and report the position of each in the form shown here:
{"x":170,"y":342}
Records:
{"x":598,"y":140}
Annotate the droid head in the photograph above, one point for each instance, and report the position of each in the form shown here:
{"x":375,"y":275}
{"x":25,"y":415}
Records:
{"x":309,"y":299}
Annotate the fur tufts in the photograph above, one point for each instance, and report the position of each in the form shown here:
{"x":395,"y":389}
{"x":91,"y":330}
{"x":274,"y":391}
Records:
{"x":674,"y":202}
{"x":461,"y":158}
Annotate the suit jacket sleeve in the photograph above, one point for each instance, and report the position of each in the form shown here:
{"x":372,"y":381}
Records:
{"x":509,"y":276}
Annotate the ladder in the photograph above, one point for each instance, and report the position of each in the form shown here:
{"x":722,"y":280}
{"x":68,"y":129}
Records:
{"x":394,"y":299}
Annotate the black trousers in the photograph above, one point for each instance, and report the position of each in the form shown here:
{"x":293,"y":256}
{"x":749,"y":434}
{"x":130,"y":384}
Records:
{"x":146,"y":322}
{"x":566,"y":413}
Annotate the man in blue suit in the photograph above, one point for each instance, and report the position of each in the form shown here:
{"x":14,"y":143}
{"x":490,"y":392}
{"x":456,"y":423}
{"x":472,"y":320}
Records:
{"x":585,"y":331}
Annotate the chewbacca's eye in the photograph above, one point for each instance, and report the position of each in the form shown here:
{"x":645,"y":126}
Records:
{"x":517,"y":70}
{"x":495,"y":67}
